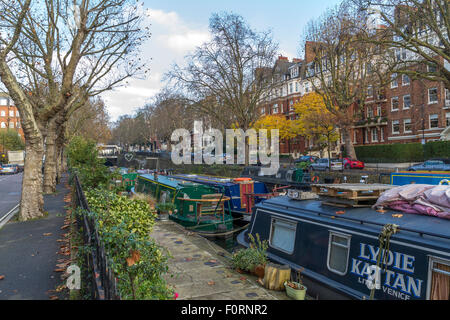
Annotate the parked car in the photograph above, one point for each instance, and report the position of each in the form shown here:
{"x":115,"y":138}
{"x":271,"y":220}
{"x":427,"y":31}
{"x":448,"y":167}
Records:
{"x":432,"y":165}
{"x":325,"y":163}
{"x":310,"y":159}
{"x":9,"y":169}
{"x":350,"y":163}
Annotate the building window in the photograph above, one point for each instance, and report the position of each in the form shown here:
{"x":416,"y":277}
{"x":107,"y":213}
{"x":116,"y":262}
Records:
{"x":291,"y":87}
{"x":17,"y":124}
{"x":370,"y":91}
{"x":3,"y":125}
{"x":400,"y":54}
{"x":395,"y":127}
{"x":306,"y":87}
{"x":17,"y":114}
{"x":369,"y":112}
{"x":407,"y":126}
{"x":11,"y":125}
{"x":275,"y":109}
{"x":406,"y":101}
{"x":431,"y":68}
{"x":447,"y":98}
{"x":291,"y":105}
{"x":405,"y":80}
{"x":394,"y":104}
{"x":379,"y":110}
{"x":381,"y":134}
{"x":432,"y":95}
{"x":2,"y":113}
{"x":296,"y":87}
{"x":263,"y":111}
{"x":11,"y":113}
{"x":434,"y":121}
{"x":447,"y":119}
{"x":394,"y":82}
{"x":374,"y":135}
{"x":3,"y":102}
{"x":282,"y":235}
{"x":338,"y":253}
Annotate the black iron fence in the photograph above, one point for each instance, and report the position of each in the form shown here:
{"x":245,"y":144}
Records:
{"x":96,"y":271}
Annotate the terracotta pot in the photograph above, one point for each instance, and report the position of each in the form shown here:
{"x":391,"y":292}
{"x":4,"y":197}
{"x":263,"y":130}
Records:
{"x":260,"y":271}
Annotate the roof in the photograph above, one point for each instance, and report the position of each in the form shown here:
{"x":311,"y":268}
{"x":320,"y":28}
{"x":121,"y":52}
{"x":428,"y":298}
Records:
{"x":311,"y":208}
{"x":218,"y":181}
{"x":171,"y":182}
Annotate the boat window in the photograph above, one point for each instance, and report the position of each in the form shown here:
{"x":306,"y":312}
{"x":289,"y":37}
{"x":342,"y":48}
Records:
{"x":338,"y":253}
{"x":440,"y":279}
{"x":282,"y":235}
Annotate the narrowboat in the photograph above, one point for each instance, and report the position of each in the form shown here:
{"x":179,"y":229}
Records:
{"x":243,"y":192}
{"x":293,"y":177}
{"x":336,"y":250}
{"x":419,"y":177}
{"x":198,"y":207}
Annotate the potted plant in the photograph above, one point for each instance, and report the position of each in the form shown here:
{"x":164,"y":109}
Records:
{"x":252,"y":259}
{"x":295,"y":289}
{"x":165,"y":210}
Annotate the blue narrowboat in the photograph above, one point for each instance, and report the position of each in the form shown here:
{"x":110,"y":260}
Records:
{"x":243,"y":192}
{"x":433,"y":178}
{"x":337,"y":251}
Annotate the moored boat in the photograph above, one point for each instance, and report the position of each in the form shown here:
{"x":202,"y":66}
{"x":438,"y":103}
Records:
{"x":198,"y":207}
{"x":356,"y":253}
{"x":243,"y":193}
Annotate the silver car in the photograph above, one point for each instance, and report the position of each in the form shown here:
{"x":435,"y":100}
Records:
{"x":325,"y":163}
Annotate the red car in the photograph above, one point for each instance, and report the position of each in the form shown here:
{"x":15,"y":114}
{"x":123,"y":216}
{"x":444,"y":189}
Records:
{"x":353,"y":164}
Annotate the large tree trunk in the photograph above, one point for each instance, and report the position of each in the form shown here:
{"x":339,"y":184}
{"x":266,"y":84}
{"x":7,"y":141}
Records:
{"x":32,"y":202}
{"x":50,"y":167}
{"x":349,"y":148}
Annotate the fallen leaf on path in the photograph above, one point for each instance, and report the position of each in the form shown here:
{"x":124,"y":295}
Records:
{"x":47,"y":234}
{"x":211,"y":283}
{"x":340,"y":212}
{"x":60,"y":270}
{"x":242,"y":278}
{"x":2,"y":277}
{"x":53,"y":298}
{"x":397,"y":215}
{"x":64,"y":227}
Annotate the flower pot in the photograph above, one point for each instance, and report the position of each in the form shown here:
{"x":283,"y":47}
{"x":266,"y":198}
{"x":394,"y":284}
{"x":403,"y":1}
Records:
{"x":297,"y":294}
{"x":259,"y":271}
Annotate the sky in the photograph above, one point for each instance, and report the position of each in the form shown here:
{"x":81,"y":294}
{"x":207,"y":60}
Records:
{"x":179,"y":26}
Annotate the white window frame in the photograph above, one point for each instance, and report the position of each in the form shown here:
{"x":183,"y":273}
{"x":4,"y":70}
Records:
{"x":404,"y":126}
{"x":372,"y":131}
{"x":330,"y":238}
{"x":429,"y":118}
{"x":2,"y":113}
{"x":447,"y":119}
{"x":447,"y":98}
{"x":288,"y":222}
{"x":406,"y":108}
{"x":392,"y":104}
{"x":431,"y":261}
{"x":437,"y":97}
{"x":404,"y":84}
{"x":395,"y":122}
{"x":394,"y":81}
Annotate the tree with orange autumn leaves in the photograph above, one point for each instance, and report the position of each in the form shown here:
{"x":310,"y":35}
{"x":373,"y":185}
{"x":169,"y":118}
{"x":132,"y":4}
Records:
{"x":316,"y":121}
{"x":288,"y":129}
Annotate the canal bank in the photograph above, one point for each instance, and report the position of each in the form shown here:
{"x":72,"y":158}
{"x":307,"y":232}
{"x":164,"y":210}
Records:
{"x":201,"y":270}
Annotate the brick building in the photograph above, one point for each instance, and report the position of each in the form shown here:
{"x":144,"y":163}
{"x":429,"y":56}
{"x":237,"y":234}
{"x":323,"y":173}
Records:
{"x":9,"y":115}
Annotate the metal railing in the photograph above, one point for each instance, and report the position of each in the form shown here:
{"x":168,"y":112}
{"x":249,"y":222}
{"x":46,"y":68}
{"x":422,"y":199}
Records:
{"x":97,"y":271}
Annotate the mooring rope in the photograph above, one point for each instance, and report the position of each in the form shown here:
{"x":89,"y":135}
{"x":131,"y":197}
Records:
{"x":385,"y":242}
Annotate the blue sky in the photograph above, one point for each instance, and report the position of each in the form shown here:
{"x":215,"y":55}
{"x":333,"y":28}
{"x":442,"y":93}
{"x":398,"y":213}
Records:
{"x":178,"y":26}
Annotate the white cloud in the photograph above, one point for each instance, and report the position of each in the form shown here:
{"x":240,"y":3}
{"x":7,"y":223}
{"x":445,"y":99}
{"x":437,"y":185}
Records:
{"x":172,"y":38}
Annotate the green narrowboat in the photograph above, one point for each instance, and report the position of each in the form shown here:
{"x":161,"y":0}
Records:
{"x":198,"y":207}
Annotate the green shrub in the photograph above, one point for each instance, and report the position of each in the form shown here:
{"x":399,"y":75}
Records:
{"x":248,"y":259}
{"x":124,"y":226}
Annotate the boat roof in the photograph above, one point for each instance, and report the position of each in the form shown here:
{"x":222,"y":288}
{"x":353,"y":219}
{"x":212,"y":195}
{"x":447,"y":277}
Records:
{"x":218,"y":181}
{"x":170,"y":181}
{"x":409,"y":222}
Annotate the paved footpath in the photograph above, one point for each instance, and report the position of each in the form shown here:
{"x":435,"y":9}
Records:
{"x":29,"y":252}
{"x":199,"y":272}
